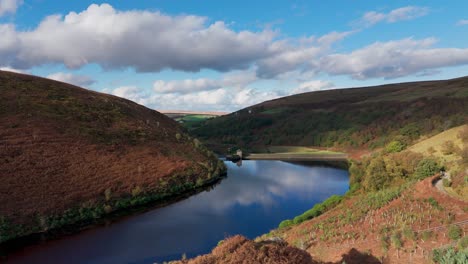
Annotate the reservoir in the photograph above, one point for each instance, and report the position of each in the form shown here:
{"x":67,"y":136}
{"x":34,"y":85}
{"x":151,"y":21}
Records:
{"x":253,"y":199}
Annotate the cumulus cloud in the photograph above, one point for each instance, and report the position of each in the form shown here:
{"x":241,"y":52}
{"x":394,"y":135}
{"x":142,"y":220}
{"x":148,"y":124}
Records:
{"x":302,"y":54}
{"x":186,"y":86}
{"x":146,"y":41}
{"x":462,"y":22}
{"x":78,"y":80}
{"x":311,"y":86}
{"x":393,"y":59}
{"x":153,"y":41}
{"x":217,"y":99}
{"x":234,"y":79}
{"x":132,"y":93}
{"x":400,"y":14}
{"x":9,"y":6}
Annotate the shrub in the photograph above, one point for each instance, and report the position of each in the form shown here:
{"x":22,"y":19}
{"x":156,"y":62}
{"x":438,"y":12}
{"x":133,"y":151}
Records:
{"x":396,"y":240}
{"x":426,"y":167}
{"x":450,"y":256}
{"x":409,"y":234}
{"x":454,"y":232}
{"x":108,"y":194}
{"x":200,"y":182}
{"x":286,"y":223}
{"x":107,"y":209}
{"x":317,"y":210}
{"x":376,"y":175}
{"x":446,"y":182}
{"x":434,"y":203}
{"x":411,"y":131}
{"x":136,"y":191}
{"x":395,"y":146}
{"x":463,"y":243}
{"x":356,"y":172}
{"x":448,"y":147}
{"x":384,"y":243}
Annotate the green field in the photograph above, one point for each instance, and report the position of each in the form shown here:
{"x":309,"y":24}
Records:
{"x":192,"y":121}
{"x":298,"y":153}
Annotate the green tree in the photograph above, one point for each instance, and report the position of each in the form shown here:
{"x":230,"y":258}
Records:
{"x":376,"y":175}
{"x":395,"y":146}
{"x":454,"y":232}
{"x":426,"y":167}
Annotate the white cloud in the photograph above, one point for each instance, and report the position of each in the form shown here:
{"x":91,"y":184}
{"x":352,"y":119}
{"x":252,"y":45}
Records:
{"x":233,"y":79}
{"x":302,"y":54}
{"x":406,"y":13}
{"x":400,"y":14}
{"x":9,"y":6}
{"x":12,"y":70}
{"x":373,"y":17}
{"x":217,"y":99}
{"x":186,"y":86}
{"x":393,"y":59}
{"x":78,"y":80}
{"x":152,"y":41}
{"x":8,"y":43}
{"x":147,"y":41}
{"x":311,"y":86}
{"x":462,"y":22}
{"x":132,"y":93}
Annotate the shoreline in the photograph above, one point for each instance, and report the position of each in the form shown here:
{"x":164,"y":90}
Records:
{"x":297,"y":157}
{"x":10,"y":247}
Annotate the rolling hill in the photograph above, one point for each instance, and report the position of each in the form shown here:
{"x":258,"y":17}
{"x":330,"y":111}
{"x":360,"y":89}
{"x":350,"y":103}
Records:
{"x":394,"y":212}
{"x":70,"y":155}
{"x":368,"y":117}
{"x":400,"y":208}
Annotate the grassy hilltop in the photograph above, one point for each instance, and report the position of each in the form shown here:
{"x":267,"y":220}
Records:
{"x":70,"y":155}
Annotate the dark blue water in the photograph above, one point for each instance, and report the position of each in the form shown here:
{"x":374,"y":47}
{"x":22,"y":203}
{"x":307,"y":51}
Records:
{"x":251,"y":201}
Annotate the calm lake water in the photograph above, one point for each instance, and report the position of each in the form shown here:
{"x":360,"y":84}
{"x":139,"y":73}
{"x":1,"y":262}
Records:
{"x":251,"y":201}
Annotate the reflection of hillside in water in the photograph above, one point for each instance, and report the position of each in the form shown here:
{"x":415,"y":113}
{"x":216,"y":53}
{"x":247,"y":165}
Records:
{"x":252,"y":200}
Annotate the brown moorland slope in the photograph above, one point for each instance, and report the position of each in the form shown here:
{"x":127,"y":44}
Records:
{"x":70,"y":155}
{"x":356,"y":118}
{"x":405,"y":230}
{"x":239,"y":250}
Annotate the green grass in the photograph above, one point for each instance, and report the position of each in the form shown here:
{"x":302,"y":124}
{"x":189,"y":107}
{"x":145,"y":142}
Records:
{"x":436,"y":143}
{"x":195,"y":118}
{"x":193,"y":121}
{"x":274,"y":111}
{"x":298,"y":150}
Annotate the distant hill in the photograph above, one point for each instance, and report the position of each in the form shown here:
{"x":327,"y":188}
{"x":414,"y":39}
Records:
{"x":70,"y":155}
{"x":366,"y":117}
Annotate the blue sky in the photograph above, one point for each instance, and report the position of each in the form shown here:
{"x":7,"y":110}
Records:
{"x":226,"y":55}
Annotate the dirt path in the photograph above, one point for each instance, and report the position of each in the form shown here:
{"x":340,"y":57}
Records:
{"x":440,"y":186}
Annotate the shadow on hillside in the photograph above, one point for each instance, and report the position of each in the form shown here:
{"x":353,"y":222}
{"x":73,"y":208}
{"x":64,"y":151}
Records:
{"x":356,"y":257}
